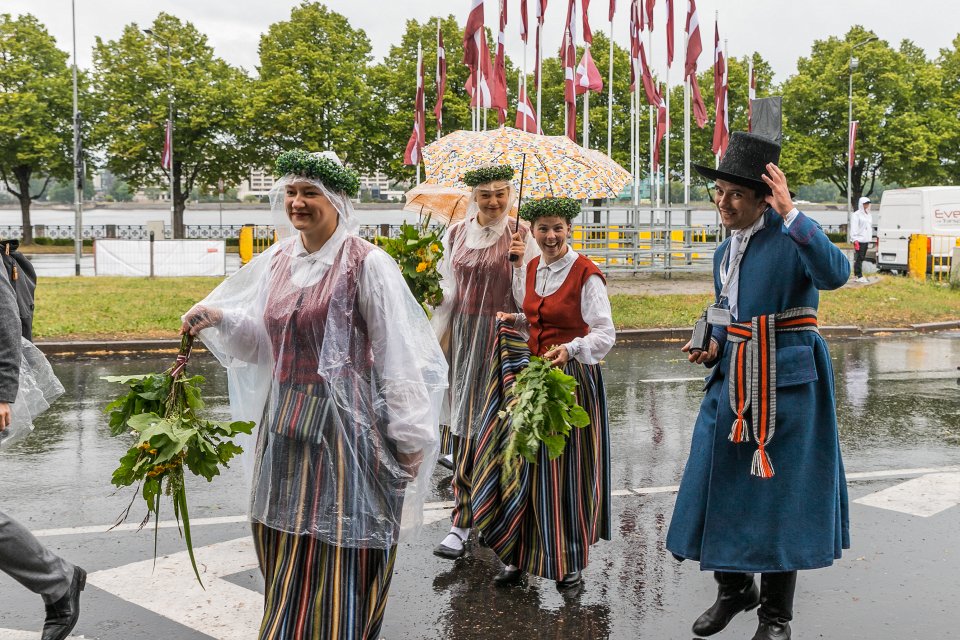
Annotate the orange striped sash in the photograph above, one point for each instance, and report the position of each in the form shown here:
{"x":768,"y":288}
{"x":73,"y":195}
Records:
{"x":753,"y":378}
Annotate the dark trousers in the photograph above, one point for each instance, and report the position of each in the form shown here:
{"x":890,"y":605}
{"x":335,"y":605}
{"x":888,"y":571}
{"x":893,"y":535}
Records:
{"x":858,"y":256}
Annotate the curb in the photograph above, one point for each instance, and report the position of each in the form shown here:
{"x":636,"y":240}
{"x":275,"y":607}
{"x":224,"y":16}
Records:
{"x":624,"y":336}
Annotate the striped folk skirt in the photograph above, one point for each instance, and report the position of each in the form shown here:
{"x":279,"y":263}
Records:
{"x":545,"y":517}
{"x":316,"y":591}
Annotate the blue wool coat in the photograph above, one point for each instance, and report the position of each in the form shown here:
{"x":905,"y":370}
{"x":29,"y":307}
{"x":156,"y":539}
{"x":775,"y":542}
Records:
{"x":724,"y":517}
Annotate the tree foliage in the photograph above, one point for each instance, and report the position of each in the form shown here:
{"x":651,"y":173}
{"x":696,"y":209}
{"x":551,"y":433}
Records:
{"x":895,"y":96}
{"x":36,"y":111}
{"x":132,"y":77}
{"x":313,"y":92}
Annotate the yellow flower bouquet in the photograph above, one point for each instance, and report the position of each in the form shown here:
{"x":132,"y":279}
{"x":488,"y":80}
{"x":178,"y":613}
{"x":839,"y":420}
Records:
{"x":417,"y":250}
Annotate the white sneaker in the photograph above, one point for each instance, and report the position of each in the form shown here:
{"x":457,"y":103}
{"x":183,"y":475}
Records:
{"x":862,"y":279}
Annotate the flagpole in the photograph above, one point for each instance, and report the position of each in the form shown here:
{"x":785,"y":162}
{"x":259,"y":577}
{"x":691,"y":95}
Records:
{"x":686,"y":126}
{"x":666,"y":155}
{"x":440,"y":118}
{"x":77,"y":159}
{"x":420,"y":91}
{"x":654,"y":182}
{"x":749,"y":95}
{"x":539,"y":70}
{"x":610,"y":97}
{"x":586,"y":105}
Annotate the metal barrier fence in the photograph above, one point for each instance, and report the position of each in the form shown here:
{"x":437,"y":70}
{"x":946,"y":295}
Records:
{"x":931,"y":255}
{"x":621,"y":239}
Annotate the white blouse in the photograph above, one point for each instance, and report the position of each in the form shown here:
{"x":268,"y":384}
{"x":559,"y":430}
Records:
{"x":594,"y":306}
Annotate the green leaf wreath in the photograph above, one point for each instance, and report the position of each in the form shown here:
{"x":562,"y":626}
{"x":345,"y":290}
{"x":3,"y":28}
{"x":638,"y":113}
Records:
{"x":162,"y":412}
{"x":545,"y":412}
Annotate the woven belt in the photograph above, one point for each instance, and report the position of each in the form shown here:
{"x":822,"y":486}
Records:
{"x":753,"y":375}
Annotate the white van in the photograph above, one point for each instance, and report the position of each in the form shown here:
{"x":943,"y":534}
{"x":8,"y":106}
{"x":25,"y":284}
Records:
{"x":932,"y":211}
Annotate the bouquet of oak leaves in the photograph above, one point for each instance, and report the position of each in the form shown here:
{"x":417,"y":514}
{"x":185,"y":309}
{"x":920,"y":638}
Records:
{"x":545,"y":411}
{"x":162,"y":411}
{"x":417,"y":250}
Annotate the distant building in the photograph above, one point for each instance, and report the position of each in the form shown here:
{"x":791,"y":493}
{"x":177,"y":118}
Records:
{"x":257,"y":183}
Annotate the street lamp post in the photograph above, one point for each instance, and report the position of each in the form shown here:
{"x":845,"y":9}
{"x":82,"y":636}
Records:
{"x":854,"y":63}
{"x":165,"y":43}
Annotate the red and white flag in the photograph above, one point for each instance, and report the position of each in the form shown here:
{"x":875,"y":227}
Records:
{"x":418,"y":138}
{"x":474,"y":23}
{"x":524,"y":26}
{"x":526,"y":116}
{"x":613,"y":10}
{"x":662,"y":126}
{"x":636,"y":24}
{"x":721,"y":129}
{"x":588,"y":76}
{"x":476,"y":55}
{"x":649,"y":5}
{"x":569,"y":88}
{"x":854,"y":124}
{"x":587,"y":33}
{"x":669,"y":32}
{"x":500,"y":68}
{"x":653,"y":96}
{"x":441,"y":80}
{"x":541,"y":9}
{"x":569,"y":26}
{"x":167,"y":153}
{"x":694,"y":49}
{"x":751,"y":95}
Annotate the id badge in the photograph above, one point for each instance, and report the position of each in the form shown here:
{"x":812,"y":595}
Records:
{"x":718,"y":316}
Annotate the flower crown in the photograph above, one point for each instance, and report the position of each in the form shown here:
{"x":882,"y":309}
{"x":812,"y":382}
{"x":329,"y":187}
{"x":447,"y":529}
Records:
{"x":483,"y":175}
{"x":566,"y":208}
{"x":328,"y":172}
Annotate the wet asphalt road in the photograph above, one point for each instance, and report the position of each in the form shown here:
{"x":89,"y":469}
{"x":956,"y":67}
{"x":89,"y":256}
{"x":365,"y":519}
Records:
{"x":898,"y":407}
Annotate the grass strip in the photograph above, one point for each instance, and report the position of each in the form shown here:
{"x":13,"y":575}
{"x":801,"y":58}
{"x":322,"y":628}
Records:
{"x":139,"y":308}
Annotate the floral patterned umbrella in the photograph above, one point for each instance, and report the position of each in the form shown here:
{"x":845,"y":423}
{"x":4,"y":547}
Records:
{"x":552,"y":166}
{"x":442,"y":204}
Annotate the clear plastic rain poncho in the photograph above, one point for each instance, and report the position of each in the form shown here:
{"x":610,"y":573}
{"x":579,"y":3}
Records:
{"x":476,"y":278}
{"x":39,"y":388}
{"x":334,"y":359}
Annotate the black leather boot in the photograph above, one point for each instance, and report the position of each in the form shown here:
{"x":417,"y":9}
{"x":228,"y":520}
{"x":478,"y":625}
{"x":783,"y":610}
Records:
{"x":63,"y":614}
{"x":736,"y":592}
{"x":776,"y":605}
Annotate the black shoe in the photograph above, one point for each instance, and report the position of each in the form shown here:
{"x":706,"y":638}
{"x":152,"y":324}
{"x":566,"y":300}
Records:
{"x":481,"y":540}
{"x":570,"y":581}
{"x":443,"y":551}
{"x":63,"y":614}
{"x":446,"y":462}
{"x":772,"y":631}
{"x":736,"y":593}
{"x":508,"y":576}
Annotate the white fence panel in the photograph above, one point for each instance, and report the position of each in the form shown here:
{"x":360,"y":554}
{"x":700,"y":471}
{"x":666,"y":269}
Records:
{"x":170,"y":258}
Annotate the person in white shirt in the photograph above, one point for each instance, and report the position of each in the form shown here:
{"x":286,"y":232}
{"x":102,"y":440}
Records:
{"x":861,"y":233}
{"x":566,"y":508}
{"x":327,"y":350}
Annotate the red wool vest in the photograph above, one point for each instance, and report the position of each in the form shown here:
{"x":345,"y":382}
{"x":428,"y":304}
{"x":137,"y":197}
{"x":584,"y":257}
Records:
{"x":556,"y":319}
{"x":296,"y":317}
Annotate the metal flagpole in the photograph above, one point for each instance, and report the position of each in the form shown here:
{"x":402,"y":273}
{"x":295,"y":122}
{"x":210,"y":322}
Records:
{"x":716,"y":18}
{"x":654,"y":182}
{"x":77,"y":159}
{"x":686,"y":127}
{"x":610,"y":98}
{"x":421,"y":90}
{"x":539,"y":73}
{"x":666,"y":154}
{"x":440,"y":119}
{"x":586,"y":106}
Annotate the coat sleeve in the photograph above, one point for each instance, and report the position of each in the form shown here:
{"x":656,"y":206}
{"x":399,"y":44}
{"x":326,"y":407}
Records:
{"x":823,"y":261}
{"x":10,"y":329}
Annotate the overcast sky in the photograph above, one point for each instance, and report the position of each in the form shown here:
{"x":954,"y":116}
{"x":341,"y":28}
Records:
{"x":781,"y":30}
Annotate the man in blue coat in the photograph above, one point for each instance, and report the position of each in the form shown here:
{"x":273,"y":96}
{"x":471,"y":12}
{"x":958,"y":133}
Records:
{"x":764,"y":489}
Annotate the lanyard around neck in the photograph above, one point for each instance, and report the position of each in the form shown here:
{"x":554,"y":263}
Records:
{"x":733,"y":266}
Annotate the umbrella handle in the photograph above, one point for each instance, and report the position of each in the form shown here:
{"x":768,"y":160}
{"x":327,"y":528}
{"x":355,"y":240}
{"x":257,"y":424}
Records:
{"x":516,"y":229}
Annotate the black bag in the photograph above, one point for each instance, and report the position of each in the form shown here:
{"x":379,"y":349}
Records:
{"x":23,"y":277}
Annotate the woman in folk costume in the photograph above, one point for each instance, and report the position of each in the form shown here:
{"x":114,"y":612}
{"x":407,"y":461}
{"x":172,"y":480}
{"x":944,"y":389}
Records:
{"x":476,"y":281}
{"x":328,"y":351}
{"x":764,"y":489}
{"x":548,"y":520}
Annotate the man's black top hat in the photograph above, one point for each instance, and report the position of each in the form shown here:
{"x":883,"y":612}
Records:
{"x":745,"y":161}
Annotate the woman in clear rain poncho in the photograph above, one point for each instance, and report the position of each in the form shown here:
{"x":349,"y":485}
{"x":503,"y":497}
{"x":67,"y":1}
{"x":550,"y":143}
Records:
{"x":328,"y":351}
{"x":476,"y":275}
{"x":564,"y":504}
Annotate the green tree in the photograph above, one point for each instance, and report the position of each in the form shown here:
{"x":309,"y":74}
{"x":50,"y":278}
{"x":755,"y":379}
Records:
{"x":63,"y":191}
{"x":393,"y":84}
{"x":894,"y":94}
{"x":211,"y":139}
{"x":313,"y":92}
{"x":36,"y":111}
{"x":949,"y":112}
